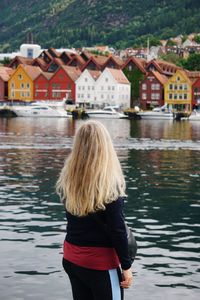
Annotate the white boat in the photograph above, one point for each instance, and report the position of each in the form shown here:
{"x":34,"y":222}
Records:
{"x":108,"y":112}
{"x":159,"y":113}
{"x":195,"y":115}
{"x":38,"y":110}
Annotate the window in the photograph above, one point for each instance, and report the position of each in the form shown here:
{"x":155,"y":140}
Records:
{"x":180,"y":87}
{"x":144,"y":86}
{"x":185,"y":96}
{"x":144,"y":96}
{"x":46,"y":94}
{"x":180,"y":96}
{"x":28,"y":85}
{"x":170,"y":96}
{"x":113,"y":88}
{"x":88,"y":88}
{"x":106,"y":79}
{"x":109,"y":88}
{"x":69,"y":86}
{"x":171,"y":86}
{"x":175,"y":96}
{"x":20,"y":77}
{"x":185,"y":86}
{"x":30,"y":53}
{"x":93,"y":88}
{"x":36,"y":85}
{"x":130,"y":68}
{"x":101,"y":96}
{"x":155,"y":96}
{"x":22,"y":94}
{"x":28,"y":94}
{"x":22,"y":85}
{"x":102,"y":87}
{"x":88,"y":95}
{"x":86,"y":79}
{"x":155,"y":86}
{"x":61,"y":76}
{"x":175,"y":86}
{"x":13,"y":94}
{"x":178,"y":78}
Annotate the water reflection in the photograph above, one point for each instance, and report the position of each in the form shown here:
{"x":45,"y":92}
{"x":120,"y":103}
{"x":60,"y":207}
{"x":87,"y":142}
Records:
{"x":163,"y":204}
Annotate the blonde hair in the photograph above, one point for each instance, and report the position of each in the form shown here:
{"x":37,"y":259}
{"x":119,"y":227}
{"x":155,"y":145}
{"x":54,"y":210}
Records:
{"x":92,"y":175}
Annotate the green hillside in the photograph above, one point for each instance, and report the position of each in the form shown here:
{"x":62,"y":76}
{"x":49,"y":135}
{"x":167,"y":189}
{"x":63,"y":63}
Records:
{"x":119,"y":23}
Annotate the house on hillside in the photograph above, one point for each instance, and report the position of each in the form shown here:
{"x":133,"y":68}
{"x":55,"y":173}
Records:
{"x":5,"y":74}
{"x":152,"y":90}
{"x":21,"y":83}
{"x":178,"y":92}
{"x":112,"y":88}
{"x":85,"y":87}
{"x":134,"y":70}
{"x":62,"y":83}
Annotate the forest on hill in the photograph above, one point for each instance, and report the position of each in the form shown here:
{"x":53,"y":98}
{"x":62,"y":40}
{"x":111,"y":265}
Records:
{"x":75,"y":23}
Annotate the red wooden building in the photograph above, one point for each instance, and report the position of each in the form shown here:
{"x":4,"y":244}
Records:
{"x":41,"y":86}
{"x":62,"y":83}
{"x":152,"y":90}
{"x":196,"y":93}
{"x":5,"y":74}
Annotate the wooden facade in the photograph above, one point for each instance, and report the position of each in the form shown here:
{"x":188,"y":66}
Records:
{"x":152,"y":90}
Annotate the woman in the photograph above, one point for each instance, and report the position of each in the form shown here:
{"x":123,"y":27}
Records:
{"x":92,"y":188}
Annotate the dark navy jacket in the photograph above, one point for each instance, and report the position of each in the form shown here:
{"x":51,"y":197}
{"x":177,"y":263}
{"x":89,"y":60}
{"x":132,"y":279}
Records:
{"x":101,"y":229}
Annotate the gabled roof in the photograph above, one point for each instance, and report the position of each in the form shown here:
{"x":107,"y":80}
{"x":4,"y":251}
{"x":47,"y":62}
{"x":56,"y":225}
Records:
{"x":86,"y":54}
{"x":72,"y":72}
{"x":164,"y":67}
{"x":139,"y":62}
{"x":160,"y":77}
{"x":5,"y":73}
{"x":117,"y":60}
{"x":32,"y":71}
{"x":98,"y":60}
{"x":118,"y":75}
{"x":47,"y":75}
{"x":39,"y":61}
{"x":94,"y":73}
{"x":78,"y":58}
{"x":53,"y":52}
{"x":22,"y":60}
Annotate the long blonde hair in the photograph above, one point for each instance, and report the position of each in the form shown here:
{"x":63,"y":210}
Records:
{"x":92,"y":175}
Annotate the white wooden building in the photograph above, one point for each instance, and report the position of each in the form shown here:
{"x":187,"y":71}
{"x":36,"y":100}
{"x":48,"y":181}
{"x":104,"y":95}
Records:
{"x":110,"y":87}
{"x":85,"y":87}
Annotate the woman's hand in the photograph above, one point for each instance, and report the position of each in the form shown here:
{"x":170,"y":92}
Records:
{"x":127,"y":278}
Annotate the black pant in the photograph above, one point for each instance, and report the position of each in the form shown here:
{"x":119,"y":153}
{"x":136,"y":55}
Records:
{"x":88,"y":284}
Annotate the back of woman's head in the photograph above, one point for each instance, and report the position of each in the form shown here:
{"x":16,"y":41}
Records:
{"x":92,"y":175}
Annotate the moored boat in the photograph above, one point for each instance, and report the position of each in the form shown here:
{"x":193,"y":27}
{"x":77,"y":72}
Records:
{"x":108,"y":112}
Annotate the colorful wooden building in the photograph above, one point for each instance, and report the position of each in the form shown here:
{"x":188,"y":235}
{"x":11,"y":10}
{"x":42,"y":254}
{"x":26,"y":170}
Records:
{"x":62,"y":83}
{"x":178,"y":92}
{"x":21,"y":83}
{"x":152,"y":90}
{"x":5,"y":74}
{"x":41,"y":86}
{"x":134,"y":70}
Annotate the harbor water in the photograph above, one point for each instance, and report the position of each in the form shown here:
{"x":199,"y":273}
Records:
{"x":161,"y":163}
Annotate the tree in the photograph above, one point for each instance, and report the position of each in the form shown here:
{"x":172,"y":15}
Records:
{"x":197,"y":39}
{"x":192,"y":63}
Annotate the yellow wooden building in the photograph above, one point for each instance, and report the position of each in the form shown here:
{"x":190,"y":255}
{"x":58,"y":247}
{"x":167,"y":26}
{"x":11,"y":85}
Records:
{"x":20,"y":84}
{"x":178,"y":92}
